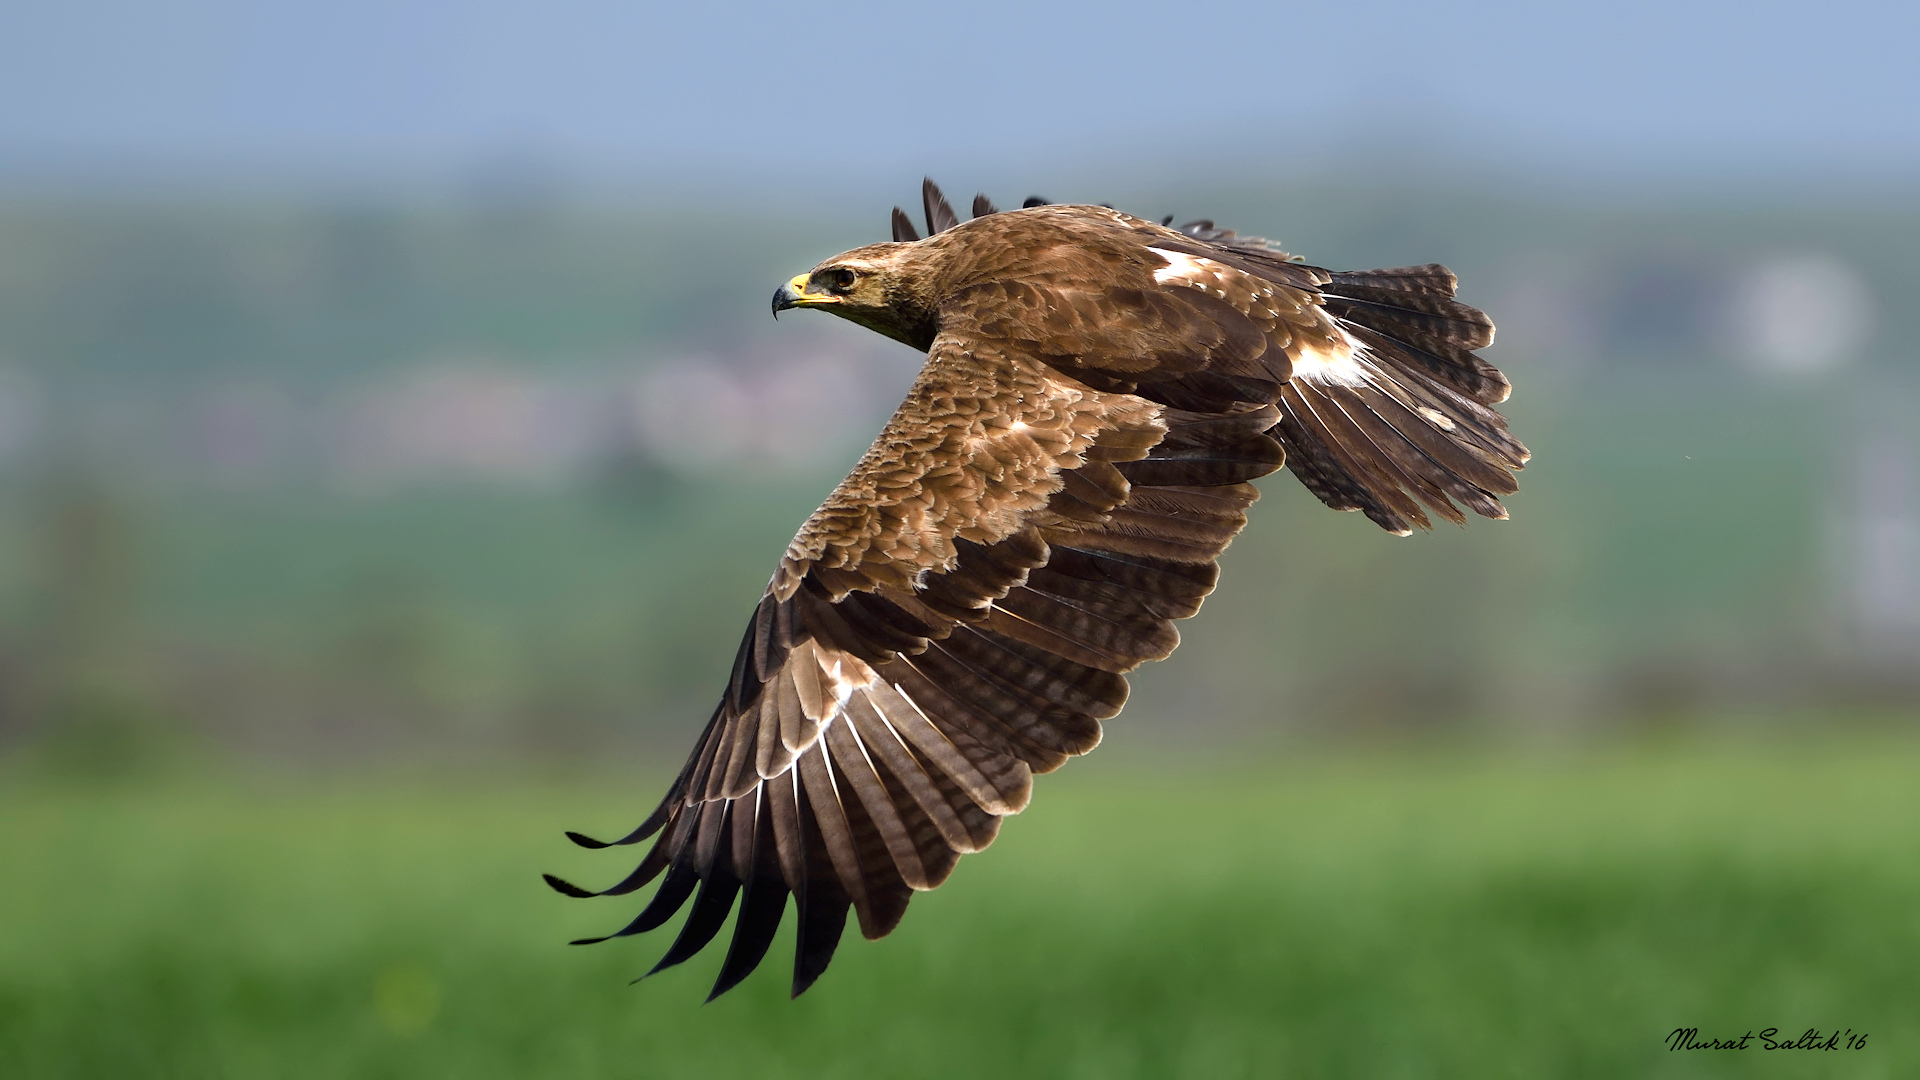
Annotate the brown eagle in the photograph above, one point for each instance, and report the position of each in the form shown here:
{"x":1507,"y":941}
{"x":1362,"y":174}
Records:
{"x":1052,"y":494}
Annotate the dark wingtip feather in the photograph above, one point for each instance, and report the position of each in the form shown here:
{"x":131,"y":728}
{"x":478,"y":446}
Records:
{"x":1033,"y":201}
{"x":822,"y":920}
{"x":805,"y":974}
{"x":708,"y":916}
{"x":940,"y":215}
{"x":673,"y":892}
{"x":645,"y":829}
{"x":982,"y":206}
{"x":565,"y":887}
{"x":754,"y":927}
{"x":1166,"y":221}
{"x":903,"y":232}
{"x":763,"y":903}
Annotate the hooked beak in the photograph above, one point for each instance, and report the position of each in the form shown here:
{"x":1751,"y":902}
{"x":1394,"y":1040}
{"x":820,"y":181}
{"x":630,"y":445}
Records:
{"x":794,"y":294}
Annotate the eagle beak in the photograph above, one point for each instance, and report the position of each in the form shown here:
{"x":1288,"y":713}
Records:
{"x":794,"y":294}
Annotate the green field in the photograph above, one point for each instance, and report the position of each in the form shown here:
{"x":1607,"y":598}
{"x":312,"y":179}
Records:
{"x":1409,"y":914}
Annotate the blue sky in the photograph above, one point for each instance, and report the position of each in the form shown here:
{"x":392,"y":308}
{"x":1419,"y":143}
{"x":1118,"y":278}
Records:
{"x":812,"y":90}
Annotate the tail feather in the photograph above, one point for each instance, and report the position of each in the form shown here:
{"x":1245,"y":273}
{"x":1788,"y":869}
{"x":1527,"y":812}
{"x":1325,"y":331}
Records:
{"x":1413,"y":311}
{"x":1430,"y":278}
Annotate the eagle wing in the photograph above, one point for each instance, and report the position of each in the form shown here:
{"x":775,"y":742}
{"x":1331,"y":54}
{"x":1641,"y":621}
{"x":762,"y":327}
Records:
{"x":1051,"y":496}
{"x":956,"y":617}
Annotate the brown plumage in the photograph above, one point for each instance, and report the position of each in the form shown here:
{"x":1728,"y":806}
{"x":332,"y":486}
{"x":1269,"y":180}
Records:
{"x":1053,"y":493}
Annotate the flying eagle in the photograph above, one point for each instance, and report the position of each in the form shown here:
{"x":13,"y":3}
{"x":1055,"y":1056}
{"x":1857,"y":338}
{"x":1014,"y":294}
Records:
{"x":1054,"y":492}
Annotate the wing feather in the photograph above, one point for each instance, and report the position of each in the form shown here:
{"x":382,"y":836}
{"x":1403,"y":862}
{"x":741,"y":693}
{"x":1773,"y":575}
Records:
{"x":887,"y":747}
{"x":783,"y":803}
{"x":830,"y":821}
{"x":822,"y":902}
{"x":763,"y":901}
{"x":903,"y":230}
{"x":718,"y":887}
{"x":940,"y":215}
{"x":880,"y":898}
{"x":850,"y":754}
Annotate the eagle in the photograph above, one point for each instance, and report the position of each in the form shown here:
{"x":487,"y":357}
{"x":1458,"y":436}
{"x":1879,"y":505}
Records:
{"x":1098,"y":394}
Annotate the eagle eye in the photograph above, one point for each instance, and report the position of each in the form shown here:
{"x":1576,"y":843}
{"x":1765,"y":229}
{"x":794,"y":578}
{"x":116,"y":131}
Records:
{"x":839,"y":280}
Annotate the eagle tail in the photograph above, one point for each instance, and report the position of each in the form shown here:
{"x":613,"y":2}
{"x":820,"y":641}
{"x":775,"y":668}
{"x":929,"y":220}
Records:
{"x":1404,"y":425}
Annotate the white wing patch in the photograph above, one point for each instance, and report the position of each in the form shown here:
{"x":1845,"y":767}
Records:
{"x":825,"y":681}
{"x":1348,"y":366}
{"x":828,"y":683}
{"x":1185,"y":269}
{"x":848,"y":673}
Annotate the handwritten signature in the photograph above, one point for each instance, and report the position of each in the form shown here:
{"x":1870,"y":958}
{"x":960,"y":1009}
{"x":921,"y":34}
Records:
{"x":1769,"y":1039}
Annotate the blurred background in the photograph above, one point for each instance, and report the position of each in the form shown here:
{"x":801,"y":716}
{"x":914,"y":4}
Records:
{"x":387,"y":390}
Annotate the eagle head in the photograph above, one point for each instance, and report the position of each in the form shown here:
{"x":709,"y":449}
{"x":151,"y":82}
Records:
{"x":887,"y":288}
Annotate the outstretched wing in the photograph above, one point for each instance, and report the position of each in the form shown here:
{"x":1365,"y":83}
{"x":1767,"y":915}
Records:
{"x":956,"y":617}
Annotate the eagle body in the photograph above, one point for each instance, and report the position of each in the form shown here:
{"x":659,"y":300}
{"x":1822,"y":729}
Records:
{"x":1054,"y":492}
